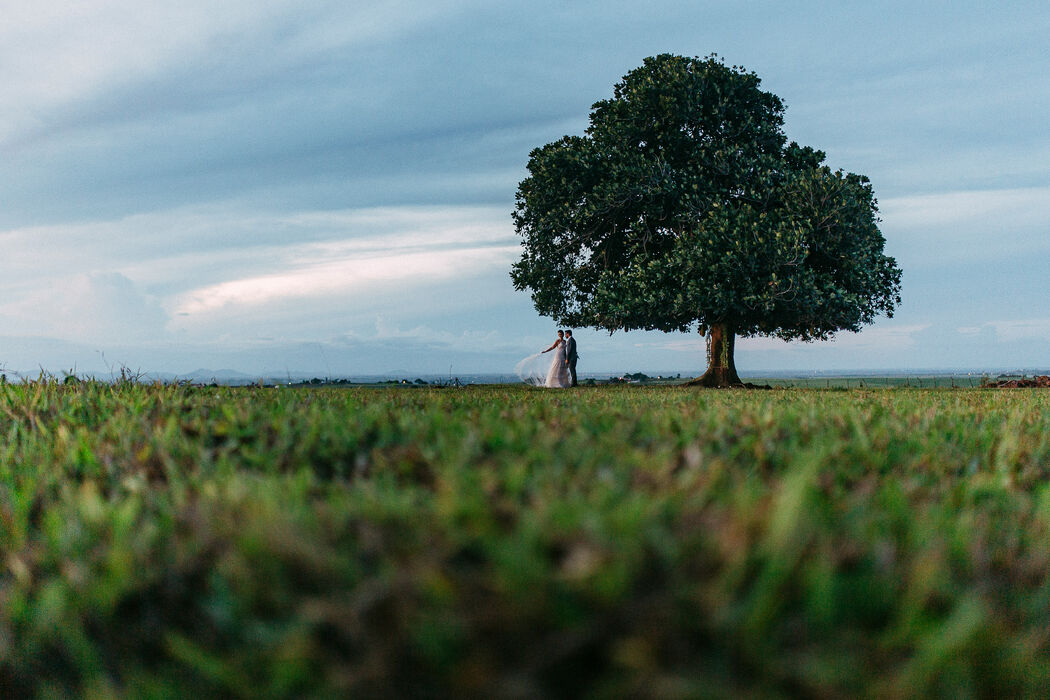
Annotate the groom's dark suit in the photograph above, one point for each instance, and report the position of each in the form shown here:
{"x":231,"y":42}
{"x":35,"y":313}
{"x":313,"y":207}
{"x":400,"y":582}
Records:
{"x":571,"y":356}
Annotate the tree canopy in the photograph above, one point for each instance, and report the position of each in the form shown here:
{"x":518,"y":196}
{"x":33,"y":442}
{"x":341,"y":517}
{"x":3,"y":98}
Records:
{"x":683,"y":206}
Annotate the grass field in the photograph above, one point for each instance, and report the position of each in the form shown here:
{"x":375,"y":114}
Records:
{"x":506,"y":541}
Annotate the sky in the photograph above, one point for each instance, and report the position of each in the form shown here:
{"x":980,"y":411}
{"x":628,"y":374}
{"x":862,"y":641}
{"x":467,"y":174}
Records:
{"x":326,"y":187}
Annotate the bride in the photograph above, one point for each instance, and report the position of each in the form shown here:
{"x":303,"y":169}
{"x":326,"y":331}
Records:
{"x":558,"y":374}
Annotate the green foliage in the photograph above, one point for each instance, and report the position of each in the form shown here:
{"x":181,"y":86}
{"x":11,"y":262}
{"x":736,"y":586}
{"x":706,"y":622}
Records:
{"x":174,"y":541}
{"x":683,"y":205}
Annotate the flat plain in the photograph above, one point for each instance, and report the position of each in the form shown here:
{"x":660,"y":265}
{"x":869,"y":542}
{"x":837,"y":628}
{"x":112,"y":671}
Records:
{"x":171,"y":541}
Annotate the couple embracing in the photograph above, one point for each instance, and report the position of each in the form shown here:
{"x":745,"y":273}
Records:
{"x":562,"y":373}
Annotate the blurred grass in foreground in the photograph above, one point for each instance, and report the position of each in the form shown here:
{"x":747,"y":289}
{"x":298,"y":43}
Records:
{"x":175,"y":541}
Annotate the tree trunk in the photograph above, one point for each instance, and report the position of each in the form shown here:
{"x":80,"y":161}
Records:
{"x":721,"y":370}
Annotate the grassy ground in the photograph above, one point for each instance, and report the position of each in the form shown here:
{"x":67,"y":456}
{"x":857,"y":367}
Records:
{"x":507,"y":541}
{"x":917,"y":381}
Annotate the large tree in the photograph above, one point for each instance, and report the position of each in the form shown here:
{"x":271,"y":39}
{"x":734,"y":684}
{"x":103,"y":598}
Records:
{"x":683,"y":207}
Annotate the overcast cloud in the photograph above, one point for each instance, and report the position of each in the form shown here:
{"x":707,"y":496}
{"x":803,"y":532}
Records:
{"x":327,"y":186}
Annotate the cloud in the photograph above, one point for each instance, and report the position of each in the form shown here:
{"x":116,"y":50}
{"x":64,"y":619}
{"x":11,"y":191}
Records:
{"x":271,"y":173}
{"x":97,"y":307}
{"x":1016,"y":207}
{"x":468,"y":341}
{"x":364,"y":254}
{"x":126,"y":108}
{"x":1012,"y":331}
{"x":361,"y":275}
{"x":226,"y":270}
{"x":982,"y":226}
{"x":61,"y":75}
{"x":881,"y":337}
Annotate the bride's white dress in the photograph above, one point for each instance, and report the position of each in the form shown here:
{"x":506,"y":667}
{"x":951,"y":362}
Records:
{"x":558,"y":374}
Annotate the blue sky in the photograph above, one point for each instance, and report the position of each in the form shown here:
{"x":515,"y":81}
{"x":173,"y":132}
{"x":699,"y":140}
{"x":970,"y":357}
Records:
{"x":327,"y":186}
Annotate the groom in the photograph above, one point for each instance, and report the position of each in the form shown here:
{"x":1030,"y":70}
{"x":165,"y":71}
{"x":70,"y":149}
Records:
{"x":571,"y":356}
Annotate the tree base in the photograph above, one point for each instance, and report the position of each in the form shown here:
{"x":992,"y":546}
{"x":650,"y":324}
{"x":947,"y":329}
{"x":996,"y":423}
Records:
{"x":703,"y":383}
{"x":716,"y":379}
{"x":721,"y":369}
